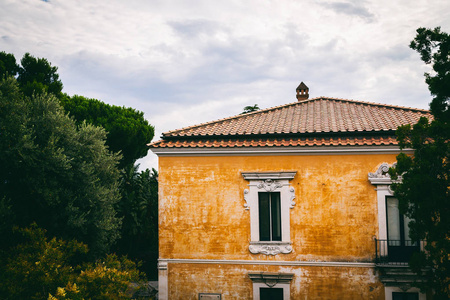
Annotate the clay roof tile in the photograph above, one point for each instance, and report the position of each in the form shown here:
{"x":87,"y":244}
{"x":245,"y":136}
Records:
{"x":318,"y":121}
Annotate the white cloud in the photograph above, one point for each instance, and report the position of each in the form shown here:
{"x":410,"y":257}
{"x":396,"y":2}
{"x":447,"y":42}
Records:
{"x":186,"y":62}
{"x":350,"y":8}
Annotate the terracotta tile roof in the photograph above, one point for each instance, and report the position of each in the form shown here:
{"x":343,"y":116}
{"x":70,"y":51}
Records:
{"x":314,"y":122}
{"x":276,"y":142}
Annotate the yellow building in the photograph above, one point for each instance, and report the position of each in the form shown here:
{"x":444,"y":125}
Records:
{"x":290,"y":202}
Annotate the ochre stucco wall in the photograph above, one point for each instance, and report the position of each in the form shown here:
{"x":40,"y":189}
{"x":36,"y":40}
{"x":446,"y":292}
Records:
{"x":202,"y":215}
{"x":231,"y":281}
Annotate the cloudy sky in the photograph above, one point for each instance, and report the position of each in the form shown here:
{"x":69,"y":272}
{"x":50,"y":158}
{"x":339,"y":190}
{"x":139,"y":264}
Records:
{"x":188,"y":62}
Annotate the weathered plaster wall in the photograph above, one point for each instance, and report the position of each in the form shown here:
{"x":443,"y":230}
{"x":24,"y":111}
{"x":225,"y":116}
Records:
{"x":202,"y":213}
{"x":187,"y":280}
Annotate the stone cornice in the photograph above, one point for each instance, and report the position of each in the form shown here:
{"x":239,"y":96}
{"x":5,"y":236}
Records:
{"x":289,"y":175}
{"x":255,"y":151}
{"x":269,"y":262}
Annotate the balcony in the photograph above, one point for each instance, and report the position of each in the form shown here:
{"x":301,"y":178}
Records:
{"x":391,"y":259}
{"x":396,"y":252}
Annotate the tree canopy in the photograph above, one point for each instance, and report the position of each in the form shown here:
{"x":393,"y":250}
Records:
{"x":8,"y":65}
{"x":139,"y":209}
{"x":55,"y":173}
{"x":37,"y":75}
{"x":424,"y":190}
{"x":128,"y":131}
{"x":61,"y":166}
{"x":53,"y":150}
{"x":434,"y":48}
{"x":250,"y":108}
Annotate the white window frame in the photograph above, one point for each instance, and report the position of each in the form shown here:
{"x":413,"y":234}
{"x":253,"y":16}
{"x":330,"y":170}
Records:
{"x":382,"y":181}
{"x":388,"y":290}
{"x":271,"y":280}
{"x":284,"y":286}
{"x":269,"y":182}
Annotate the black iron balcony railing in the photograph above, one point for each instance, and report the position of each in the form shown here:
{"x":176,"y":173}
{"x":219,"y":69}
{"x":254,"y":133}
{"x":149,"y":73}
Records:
{"x":396,"y":252}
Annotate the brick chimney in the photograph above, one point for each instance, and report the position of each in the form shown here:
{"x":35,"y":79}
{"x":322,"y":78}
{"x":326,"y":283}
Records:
{"x":302,"y":92}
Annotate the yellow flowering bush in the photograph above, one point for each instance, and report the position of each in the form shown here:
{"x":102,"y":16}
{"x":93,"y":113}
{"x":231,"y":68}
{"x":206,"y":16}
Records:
{"x":108,"y":279}
{"x":37,"y":265}
{"x":39,"y":268}
{"x":69,"y":292}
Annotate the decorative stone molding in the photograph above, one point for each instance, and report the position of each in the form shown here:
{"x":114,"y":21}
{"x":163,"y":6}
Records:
{"x":292,"y":202}
{"x":265,"y":262}
{"x":381,"y":175}
{"x":269,"y":185}
{"x":269,"y":182}
{"x":382,"y":181}
{"x":382,"y":171}
{"x":268,"y":175}
{"x":163,"y":280}
{"x":209,"y":296}
{"x":247,"y":202}
{"x":270,"y":248}
{"x":266,"y":279}
{"x":271,"y":279}
{"x":162,"y":265}
{"x":292,"y":150}
{"x":389,"y":290}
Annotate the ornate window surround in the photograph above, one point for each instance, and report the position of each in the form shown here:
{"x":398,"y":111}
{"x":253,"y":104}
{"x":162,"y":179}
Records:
{"x":388,"y":290}
{"x":382,"y":180}
{"x":266,"y":279}
{"x":269,"y":182}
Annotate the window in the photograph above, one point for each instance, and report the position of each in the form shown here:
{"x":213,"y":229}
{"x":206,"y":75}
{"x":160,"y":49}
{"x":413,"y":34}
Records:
{"x":396,"y":293}
{"x":397,"y":224}
{"x":400,"y":246}
{"x":269,"y":216}
{"x":273,"y":286}
{"x":393,"y":232}
{"x":269,"y":198}
{"x":405,"y":296}
{"x":266,"y":293}
{"x":382,"y":181}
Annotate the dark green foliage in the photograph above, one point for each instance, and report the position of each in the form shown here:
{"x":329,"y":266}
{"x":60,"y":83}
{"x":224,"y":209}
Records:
{"x":106,"y":279}
{"x":37,"y":267}
{"x":139,"y":210}
{"x":424,"y":191}
{"x":54,"y":173}
{"x":128,"y":131}
{"x":250,"y":108}
{"x":434,"y":48}
{"x":38,"y":76}
{"x":8,"y":65}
